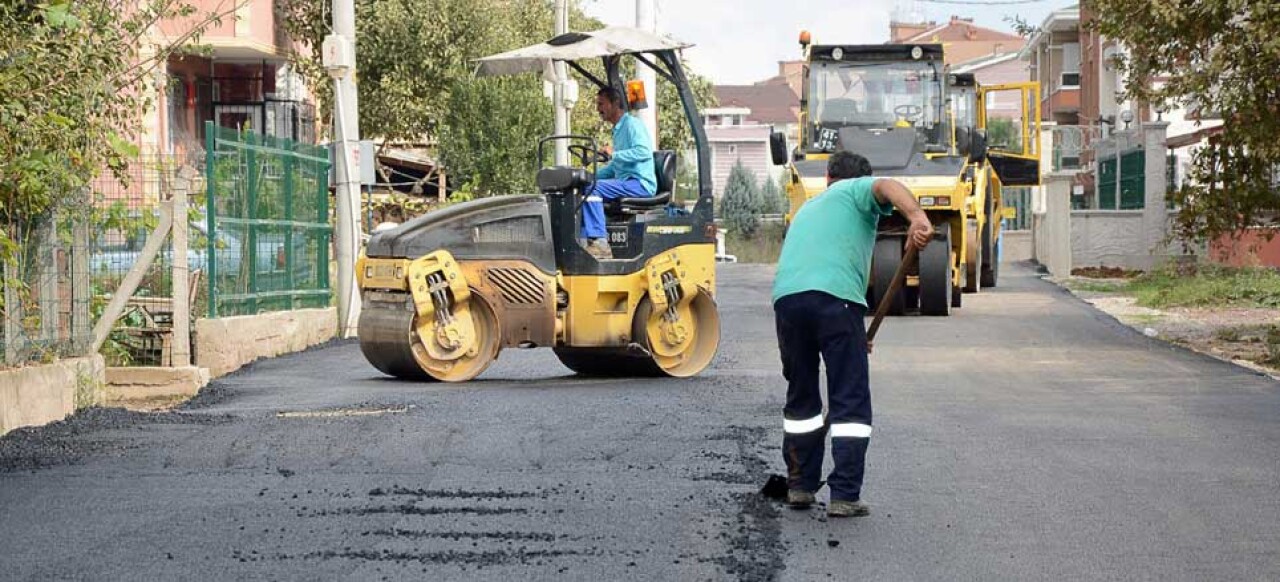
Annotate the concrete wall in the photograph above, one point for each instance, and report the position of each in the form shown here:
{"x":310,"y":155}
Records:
{"x":39,"y":395}
{"x":1101,"y":238}
{"x":1051,"y":224}
{"x":224,"y":345}
{"x":1016,"y":246}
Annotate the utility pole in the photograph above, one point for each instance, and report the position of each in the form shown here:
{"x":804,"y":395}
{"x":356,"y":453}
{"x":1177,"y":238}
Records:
{"x":647,"y":20}
{"x":339,"y":60}
{"x":560,"y":93}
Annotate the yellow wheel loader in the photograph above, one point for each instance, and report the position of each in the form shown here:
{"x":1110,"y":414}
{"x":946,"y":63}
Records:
{"x":899,"y":107}
{"x":445,"y":293}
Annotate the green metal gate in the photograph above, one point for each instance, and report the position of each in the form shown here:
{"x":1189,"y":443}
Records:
{"x":266,"y":230}
{"x":1132,"y":177}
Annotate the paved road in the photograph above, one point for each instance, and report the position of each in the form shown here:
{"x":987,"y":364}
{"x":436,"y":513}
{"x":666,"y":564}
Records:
{"x":1027,"y":437}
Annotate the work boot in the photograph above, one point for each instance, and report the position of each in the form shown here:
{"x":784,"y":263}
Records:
{"x":799,"y":499}
{"x":599,"y":248}
{"x":842,"y":508}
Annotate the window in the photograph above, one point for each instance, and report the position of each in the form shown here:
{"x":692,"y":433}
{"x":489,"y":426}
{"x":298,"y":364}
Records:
{"x":1070,"y":65}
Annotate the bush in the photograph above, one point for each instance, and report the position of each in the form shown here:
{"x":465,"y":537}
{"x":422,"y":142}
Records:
{"x":741,"y":205}
{"x":773,"y":198}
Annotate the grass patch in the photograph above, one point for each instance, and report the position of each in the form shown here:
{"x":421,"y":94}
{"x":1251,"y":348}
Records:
{"x":1090,"y":286}
{"x":763,"y":247}
{"x":1207,"y":286}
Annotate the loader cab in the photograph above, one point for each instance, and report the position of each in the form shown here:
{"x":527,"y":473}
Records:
{"x":970,"y":138}
{"x":876,"y":99}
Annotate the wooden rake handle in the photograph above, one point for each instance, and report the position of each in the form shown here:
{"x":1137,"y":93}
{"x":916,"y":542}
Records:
{"x":899,"y":278}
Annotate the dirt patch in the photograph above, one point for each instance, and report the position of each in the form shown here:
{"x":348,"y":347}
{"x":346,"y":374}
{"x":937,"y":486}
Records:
{"x":1249,"y":337}
{"x":1104,"y":273}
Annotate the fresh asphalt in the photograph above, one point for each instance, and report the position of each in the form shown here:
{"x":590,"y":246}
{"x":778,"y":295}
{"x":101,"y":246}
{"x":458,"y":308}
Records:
{"x":1027,"y":437}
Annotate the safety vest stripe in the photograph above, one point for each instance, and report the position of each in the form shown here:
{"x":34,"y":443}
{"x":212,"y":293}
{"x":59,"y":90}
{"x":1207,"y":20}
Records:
{"x":851,"y":430}
{"x":594,"y":199}
{"x":802,"y":426}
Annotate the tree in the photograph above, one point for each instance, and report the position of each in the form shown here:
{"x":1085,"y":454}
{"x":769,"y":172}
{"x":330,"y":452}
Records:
{"x":415,"y":61}
{"x":773,"y":198}
{"x":1224,"y":55}
{"x":73,"y":78}
{"x":1004,"y":133}
{"x":741,"y":203}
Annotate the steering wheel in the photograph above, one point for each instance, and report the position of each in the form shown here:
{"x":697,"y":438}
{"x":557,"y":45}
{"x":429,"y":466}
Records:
{"x":908,"y":112}
{"x":586,"y":155}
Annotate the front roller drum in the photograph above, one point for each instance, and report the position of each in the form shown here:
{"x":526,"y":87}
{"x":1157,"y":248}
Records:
{"x":679,"y":347}
{"x":390,"y":342}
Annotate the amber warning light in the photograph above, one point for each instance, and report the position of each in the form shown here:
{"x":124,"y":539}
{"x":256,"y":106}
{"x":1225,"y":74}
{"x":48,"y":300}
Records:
{"x":805,"y":38}
{"x":635,"y":94}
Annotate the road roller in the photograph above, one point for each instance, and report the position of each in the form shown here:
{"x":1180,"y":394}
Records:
{"x":445,"y":293}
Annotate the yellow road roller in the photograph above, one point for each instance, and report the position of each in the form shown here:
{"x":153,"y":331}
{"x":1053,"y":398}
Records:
{"x":446,"y":292}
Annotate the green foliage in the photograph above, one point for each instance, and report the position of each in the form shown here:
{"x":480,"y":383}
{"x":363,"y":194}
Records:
{"x":1004,"y":133}
{"x":1208,"y":286}
{"x":773,"y":198}
{"x":1220,"y":57}
{"x":740,"y":206}
{"x":416,"y":59}
{"x":73,"y":77}
{"x":489,"y":124}
{"x":763,"y":247}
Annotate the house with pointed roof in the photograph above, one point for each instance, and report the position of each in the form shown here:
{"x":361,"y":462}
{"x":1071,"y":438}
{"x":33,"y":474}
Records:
{"x":963,"y":40}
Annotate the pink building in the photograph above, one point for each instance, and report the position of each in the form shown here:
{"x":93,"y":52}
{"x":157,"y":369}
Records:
{"x":245,"y":83}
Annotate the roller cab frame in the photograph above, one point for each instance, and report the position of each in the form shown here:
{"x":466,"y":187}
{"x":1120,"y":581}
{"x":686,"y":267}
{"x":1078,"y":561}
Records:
{"x":446,"y":292}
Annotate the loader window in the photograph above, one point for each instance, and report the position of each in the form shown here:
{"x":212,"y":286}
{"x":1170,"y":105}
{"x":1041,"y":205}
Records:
{"x":872,"y":96}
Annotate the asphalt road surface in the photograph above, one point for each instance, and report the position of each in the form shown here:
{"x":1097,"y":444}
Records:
{"x":1028,"y":437}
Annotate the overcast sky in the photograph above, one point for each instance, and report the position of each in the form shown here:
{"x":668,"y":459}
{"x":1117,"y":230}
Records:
{"x":741,"y":41}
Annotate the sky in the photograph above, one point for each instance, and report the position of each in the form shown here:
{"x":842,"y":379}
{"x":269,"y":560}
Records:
{"x":740,"y":42}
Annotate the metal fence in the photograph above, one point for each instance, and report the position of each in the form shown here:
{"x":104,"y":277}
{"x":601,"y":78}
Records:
{"x":70,"y":265}
{"x":124,"y":218}
{"x":45,"y":305}
{"x":267,"y":224}
{"x":1019,"y":200}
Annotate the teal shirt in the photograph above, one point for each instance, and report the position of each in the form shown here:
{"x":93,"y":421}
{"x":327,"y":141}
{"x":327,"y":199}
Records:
{"x":829,"y":243}
{"x":632,"y":154}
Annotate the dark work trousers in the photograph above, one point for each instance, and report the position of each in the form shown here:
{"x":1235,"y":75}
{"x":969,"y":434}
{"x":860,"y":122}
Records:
{"x":814,"y":324}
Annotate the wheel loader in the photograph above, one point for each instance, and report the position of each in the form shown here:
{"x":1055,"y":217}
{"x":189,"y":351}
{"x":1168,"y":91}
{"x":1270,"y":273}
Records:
{"x":445,"y":293}
{"x":901,"y":108}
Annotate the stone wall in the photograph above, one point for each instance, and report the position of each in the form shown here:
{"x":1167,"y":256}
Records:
{"x":225,"y":344}
{"x":38,"y":395}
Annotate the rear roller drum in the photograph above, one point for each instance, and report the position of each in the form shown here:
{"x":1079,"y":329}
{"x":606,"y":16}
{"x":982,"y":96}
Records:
{"x":935,"y":274}
{"x":390,"y":342}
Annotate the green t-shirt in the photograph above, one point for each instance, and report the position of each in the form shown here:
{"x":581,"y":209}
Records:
{"x":829,"y":243}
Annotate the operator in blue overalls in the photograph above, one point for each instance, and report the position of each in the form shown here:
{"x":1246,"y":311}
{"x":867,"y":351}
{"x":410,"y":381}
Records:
{"x":629,"y":174}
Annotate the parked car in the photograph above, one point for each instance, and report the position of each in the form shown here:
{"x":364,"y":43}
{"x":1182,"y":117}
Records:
{"x":116,"y":253}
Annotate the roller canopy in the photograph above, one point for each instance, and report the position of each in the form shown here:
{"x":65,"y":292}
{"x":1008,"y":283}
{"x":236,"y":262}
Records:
{"x":575,"y":46}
